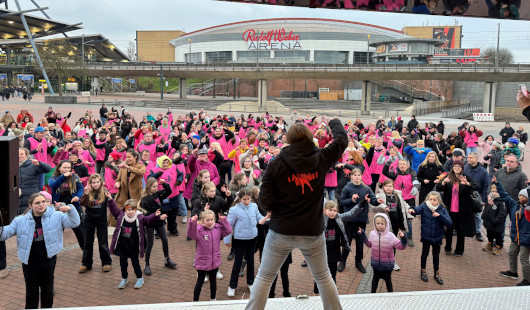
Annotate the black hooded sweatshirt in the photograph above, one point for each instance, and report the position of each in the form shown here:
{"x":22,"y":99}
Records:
{"x":293,"y":184}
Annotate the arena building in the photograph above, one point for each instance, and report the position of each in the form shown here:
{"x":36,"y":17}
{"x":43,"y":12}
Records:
{"x":282,"y":41}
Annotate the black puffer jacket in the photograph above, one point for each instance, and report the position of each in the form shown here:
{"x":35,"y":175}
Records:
{"x":29,"y":180}
{"x":293,"y":184}
{"x":494,"y":216}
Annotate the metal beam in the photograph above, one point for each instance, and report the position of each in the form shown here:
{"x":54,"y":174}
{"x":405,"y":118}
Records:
{"x":23,"y":12}
{"x":30,"y":37}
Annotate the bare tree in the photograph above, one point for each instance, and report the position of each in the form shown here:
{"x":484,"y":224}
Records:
{"x":505,"y":55}
{"x":131,"y":51}
{"x":61,"y":59}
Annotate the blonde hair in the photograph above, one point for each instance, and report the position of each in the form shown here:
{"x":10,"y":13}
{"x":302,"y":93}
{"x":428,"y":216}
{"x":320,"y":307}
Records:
{"x":254,"y":193}
{"x":426,"y":160}
{"x":206,"y":186}
{"x":101,"y":191}
{"x":132,"y":203}
{"x":206,"y":213}
{"x":330,"y":204}
{"x":395,"y":135}
{"x":217,"y":147}
{"x":438,"y":197}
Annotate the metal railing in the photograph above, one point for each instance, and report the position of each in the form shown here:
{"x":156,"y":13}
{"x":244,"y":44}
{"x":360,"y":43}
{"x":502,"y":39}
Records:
{"x":429,"y":107}
{"x":463,"y":111}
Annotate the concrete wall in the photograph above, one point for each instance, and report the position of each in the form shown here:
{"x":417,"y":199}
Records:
{"x":474,"y":91}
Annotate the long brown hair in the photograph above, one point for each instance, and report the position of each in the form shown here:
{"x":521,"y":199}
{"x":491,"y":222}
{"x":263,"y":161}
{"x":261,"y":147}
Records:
{"x":71,"y":180}
{"x":101,"y":191}
{"x":299,"y":133}
{"x":30,"y":202}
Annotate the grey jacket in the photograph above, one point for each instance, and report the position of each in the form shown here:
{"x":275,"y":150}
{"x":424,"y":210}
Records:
{"x":513,"y":181}
{"x":29,"y":180}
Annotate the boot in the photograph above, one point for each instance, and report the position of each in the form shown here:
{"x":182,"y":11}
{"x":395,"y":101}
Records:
{"x":497,"y":250}
{"x":423,"y":276}
{"x":410,"y":242}
{"x":438,"y":278}
{"x":488,"y":247}
{"x":147,"y":270}
{"x":170,"y":264}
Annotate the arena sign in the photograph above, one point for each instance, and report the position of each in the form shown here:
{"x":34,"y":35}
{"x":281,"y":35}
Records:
{"x":513,"y":9}
{"x":278,"y":39}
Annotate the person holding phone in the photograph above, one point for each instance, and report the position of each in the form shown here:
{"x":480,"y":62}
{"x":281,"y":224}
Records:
{"x":523,"y":101}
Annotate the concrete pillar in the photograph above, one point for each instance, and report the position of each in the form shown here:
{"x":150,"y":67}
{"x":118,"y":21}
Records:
{"x":94,"y":84}
{"x":183,"y":89}
{"x":490,"y":93}
{"x":366,"y":98}
{"x":262,"y":94}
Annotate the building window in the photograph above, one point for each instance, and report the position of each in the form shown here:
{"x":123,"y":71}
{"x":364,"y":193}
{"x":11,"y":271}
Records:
{"x":193,"y":58}
{"x":249,"y":55}
{"x":215,"y":57}
{"x":331,"y":57}
{"x":298,"y":55}
{"x":360,"y":57}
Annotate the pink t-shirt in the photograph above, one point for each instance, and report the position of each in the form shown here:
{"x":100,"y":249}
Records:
{"x":454,"y":198}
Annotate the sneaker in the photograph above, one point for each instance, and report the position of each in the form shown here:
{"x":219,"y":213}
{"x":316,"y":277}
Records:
{"x":206,"y":278}
{"x":106,"y":268}
{"x":359,"y":265}
{"x":176,"y":233}
{"x":479,"y":237}
{"x":304,"y":264}
{"x":230,"y":256}
{"x":147,"y":270}
{"x":250,"y":287}
{"x":410,"y":242}
{"x":497,"y":251}
{"x":4,"y":273}
{"x":184,"y":219}
{"x":170,"y":264}
{"x":447,"y":252}
{"x":509,"y":274}
{"x":231,"y":292}
{"x":488,"y":247}
{"x":123,"y":283}
{"x":341,"y":266}
{"x":458,"y":254}
{"x":219,"y":275}
{"x":523,"y":283}
{"x":396,"y":266}
{"x":423,"y":276}
{"x":83,"y":269}
{"x":139,"y":283}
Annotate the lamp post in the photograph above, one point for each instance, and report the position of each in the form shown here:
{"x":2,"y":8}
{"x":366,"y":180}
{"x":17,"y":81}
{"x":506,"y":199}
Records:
{"x":189,"y":43}
{"x":368,"y":51}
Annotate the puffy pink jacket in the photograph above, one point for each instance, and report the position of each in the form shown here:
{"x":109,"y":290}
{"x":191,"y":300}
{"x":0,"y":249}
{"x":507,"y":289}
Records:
{"x":208,"y":252}
{"x":383,"y":245}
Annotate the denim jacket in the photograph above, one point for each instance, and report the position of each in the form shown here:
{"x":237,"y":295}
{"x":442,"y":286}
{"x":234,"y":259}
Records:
{"x":53,"y":224}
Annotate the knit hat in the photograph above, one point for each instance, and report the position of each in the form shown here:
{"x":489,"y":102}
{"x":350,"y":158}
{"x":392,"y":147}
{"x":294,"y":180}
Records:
{"x":458,"y":162}
{"x":458,"y":152}
{"x":399,"y":118}
{"x":160,"y":161}
{"x":115,"y":156}
{"x":39,"y":129}
{"x":524,"y":192}
{"x":203,"y":151}
{"x":196,"y":137}
{"x":18,"y":132}
{"x":46,"y":195}
{"x":74,"y":152}
{"x":497,"y":144}
{"x":7,"y":112}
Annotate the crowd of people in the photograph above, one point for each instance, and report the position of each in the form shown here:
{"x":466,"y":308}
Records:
{"x":7,"y":92}
{"x":245,"y":181}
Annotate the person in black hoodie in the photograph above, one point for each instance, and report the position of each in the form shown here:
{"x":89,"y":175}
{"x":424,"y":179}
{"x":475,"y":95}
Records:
{"x":150,"y":202}
{"x":428,"y":172}
{"x":494,"y":216}
{"x":293,"y":191}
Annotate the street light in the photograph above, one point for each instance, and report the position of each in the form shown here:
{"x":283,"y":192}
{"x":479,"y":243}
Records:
{"x":368,"y":51}
{"x":189,"y":43}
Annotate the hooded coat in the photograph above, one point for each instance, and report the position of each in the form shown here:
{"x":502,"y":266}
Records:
{"x":293,"y":184}
{"x":383,"y":245}
{"x":208,"y":250}
{"x":432,"y":228}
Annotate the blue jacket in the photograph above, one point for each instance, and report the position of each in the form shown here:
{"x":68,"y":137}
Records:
{"x":432,"y":228}
{"x":55,"y":183}
{"x":53,"y":224}
{"x":244,"y":221}
{"x":347,"y":203}
{"x":520,"y":230}
{"x":481,"y":177}
{"x":417,"y":158}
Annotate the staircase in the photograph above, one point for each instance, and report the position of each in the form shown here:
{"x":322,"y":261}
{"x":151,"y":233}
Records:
{"x":405,"y":90}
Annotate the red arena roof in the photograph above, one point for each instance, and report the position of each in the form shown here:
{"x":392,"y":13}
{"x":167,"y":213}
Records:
{"x":293,"y":19}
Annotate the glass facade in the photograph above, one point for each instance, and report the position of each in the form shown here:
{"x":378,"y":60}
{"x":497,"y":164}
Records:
{"x":193,"y":58}
{"x":331,"y":57}
{"x":252,"y":54}
{"x":215,"y":57}
{"x":302,"y":55}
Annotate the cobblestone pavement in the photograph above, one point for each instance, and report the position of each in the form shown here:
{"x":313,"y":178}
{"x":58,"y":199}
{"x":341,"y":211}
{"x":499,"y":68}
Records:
{"x":475,"y":269}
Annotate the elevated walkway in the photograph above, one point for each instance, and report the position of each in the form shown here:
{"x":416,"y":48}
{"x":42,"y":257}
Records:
{"x":512,"y":298}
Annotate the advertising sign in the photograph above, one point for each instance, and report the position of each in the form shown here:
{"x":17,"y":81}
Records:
{"x":462,"y":9}
{"x":3,"y":76}
{"x":116,"y":80}
{"x":3,"y":59}
{"x":398,"y":47}
{"x":446,"y":34}
{"x":459,"y":52}
{"x":381,"y":49}
{"x":132,"y":81}
{"x":483,"y":117}
{"x":278,"y":39}
{"x":25,"y":77}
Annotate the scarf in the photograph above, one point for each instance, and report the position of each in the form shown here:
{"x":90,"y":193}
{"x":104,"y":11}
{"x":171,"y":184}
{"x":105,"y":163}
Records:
{"x":132,"y":219}
{"x":211,"y":155}
{"x":431,"y":207}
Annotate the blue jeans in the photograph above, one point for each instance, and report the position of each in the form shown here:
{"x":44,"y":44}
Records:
{"x":277,"y":248}
{"x":478,"y":222}
{"x":182,"y":205}
{"x":42,"y":178}
{"x":331,"y":193}
{"x":470,"y":150}
{"x":103,"y":120}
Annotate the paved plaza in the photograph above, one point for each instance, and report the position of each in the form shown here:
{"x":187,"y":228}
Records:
{"x":475,"y":269}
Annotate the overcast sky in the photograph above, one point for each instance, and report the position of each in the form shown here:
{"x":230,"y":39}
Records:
{"x":119,"y":20}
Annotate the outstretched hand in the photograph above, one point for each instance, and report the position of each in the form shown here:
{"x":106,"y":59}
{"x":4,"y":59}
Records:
{"x":196,"y":217}
{"x":401,"y":234}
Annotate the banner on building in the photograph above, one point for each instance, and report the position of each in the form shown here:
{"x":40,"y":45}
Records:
{"x":116,"y":80}
{"x":458,"y":52}
{"x":25,"y":77}
{"x":3,"y":76}
{"x":483,"y":117}
{"x":398,"y":47}
{"x":446,"y":34}
{"x":380,"y":49}
{"x":278,"y":39}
